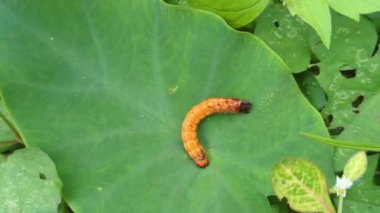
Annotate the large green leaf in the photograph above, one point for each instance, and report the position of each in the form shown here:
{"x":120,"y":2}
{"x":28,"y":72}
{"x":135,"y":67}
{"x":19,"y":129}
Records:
{"x":29,"y":182}
{"x":104,"y":87}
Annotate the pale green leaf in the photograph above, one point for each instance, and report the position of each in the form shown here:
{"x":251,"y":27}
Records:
{"x":236,"y":13}
{"x":29,"y":182}
{"x":314,"y":12}
{"x":354,"y":8}
{"x":356,"y":166}
{"x":303,"y":184}
{"x":363,"y":196}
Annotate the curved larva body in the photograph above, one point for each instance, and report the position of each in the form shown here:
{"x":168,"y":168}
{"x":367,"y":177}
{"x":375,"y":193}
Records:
{"x":200,"y":111}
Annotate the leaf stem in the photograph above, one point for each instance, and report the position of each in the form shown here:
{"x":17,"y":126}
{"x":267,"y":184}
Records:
{"x":9,"y":143}
{"x":10,"y":125}
{"x":340,"y":204}
{"x":343,"y":143}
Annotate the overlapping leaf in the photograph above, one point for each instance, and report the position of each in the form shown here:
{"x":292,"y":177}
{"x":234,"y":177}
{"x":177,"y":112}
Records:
{"x":236,"y":13}
{"x":354,"y":8}
{"x":302,"y":184}
{"x":314,"y":12}
{"x":29,"y":182}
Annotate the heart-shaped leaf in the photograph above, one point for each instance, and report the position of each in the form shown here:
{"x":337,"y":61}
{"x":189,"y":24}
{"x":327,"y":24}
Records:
{"x":103,"y":88}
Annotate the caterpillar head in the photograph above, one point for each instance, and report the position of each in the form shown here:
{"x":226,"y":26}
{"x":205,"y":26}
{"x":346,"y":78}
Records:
{"x":201,"y":160}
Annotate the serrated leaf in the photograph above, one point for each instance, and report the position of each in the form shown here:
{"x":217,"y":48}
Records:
{"x":236,"y":13}
{"x":303,"y":184}
{"x":29,"y":182}
{"x":354,"y":8}
{"x":314,"y":12}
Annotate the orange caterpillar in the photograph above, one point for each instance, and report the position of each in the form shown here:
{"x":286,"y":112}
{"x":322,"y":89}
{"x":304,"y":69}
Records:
{"x":200,"y":111}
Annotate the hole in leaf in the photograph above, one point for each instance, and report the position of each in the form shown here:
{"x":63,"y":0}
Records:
{"x":276,"y":23}
{"x":339,"y":173}
{"x":336,"y":131}
{"x":42,"y":176}
{"x":347,"y":71}
{"x":314,"y":69}
{"x":355,"y":111}
{"x":356,"y":103}
{"x":281,"y":204}
{"x":329,"y":119}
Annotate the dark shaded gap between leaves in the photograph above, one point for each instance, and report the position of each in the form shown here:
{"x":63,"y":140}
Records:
{"x":282,"y":205}
{"x":9,"y":150}
{"x":336,"y":131}
{"x":376,"y":177}
{"x":64,"y":207}
{"x":328,"y":120}
{"x":376,"y":49}
{"x":314,"y":69}
{"x":348,"y":73}
{"x":173,"y":2}
{"x":339,"y":173}
{"x":303,"y":79}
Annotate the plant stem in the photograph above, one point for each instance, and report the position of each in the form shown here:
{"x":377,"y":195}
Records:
{"x":9,"y":143}
{"x":10,"y":125}
{"x":340,"y":204}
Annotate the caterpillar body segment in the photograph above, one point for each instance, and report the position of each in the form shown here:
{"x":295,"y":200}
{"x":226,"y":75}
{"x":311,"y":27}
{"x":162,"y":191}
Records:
{"x":200,"y":111}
